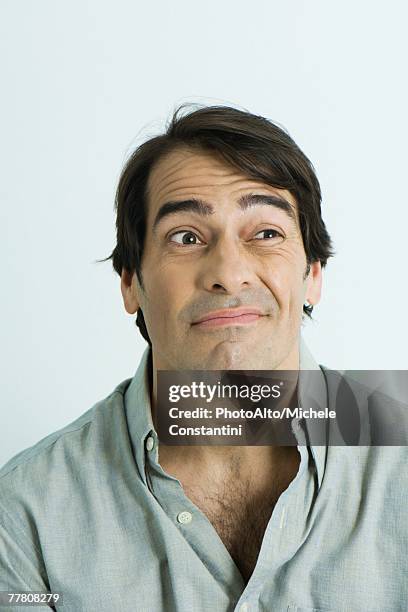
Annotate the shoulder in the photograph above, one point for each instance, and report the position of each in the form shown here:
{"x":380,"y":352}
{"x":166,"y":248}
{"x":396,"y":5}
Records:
{"x":56,"y":481}
{"x":371,"y":406}
{"x":57,"y":452}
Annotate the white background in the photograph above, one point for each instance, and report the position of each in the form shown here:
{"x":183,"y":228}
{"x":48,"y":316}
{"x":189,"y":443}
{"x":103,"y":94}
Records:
{"x":84,"y":82}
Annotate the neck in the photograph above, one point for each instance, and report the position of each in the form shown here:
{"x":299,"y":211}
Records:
{"x":249,"y":461}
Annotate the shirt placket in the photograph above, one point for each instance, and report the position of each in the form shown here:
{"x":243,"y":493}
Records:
{"x":192,"y":523}
{"x":281,"y":539}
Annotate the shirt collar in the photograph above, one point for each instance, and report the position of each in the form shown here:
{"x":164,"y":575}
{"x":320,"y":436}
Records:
{"x":312,"y":392}
{"x":139,"y":417}
{"x":138,"y":411}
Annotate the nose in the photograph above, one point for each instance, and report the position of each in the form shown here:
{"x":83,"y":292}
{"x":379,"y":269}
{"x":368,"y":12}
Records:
{"x":226,"y":268}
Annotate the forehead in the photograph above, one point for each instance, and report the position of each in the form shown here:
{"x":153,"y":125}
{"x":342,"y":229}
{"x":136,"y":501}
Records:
{"x":194,"y":173}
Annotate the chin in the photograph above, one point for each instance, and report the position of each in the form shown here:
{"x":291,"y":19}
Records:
{"x":229,"y":355}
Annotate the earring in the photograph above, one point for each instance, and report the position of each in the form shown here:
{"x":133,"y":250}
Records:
{"x":308,"y":306}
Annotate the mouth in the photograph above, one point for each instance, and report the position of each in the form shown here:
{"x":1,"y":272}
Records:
{"x":231,"y":316}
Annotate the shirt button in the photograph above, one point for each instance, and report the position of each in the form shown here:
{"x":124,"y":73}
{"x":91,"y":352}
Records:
{"x":184,"y":517}
{"x":150,"y":443}
{"x":244,"y":607}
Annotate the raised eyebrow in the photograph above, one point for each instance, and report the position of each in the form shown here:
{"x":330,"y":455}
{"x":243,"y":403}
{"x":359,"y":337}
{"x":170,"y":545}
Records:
{"x":255,"y":199}
{"x":193,"y":205}
{"x":205,"y":209}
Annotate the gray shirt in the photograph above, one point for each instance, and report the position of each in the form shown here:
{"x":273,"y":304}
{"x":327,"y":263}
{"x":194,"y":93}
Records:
{"x":89,"y":512}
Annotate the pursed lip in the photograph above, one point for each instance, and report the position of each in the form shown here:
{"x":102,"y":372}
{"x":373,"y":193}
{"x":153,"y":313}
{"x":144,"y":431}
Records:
{"x":228,"y":313}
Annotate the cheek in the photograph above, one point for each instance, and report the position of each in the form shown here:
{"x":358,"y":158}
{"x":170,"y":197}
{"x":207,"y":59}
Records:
{"x":283,"y":275}
{"x":166,"y":291}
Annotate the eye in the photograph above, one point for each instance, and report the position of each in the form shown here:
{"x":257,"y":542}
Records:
{"x":270,"y":233}
{"x":184,"y":237}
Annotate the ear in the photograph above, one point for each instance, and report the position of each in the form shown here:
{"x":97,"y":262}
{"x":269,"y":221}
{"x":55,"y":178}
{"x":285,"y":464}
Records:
{"x":314,"y":283}
{"x":128,"y":286}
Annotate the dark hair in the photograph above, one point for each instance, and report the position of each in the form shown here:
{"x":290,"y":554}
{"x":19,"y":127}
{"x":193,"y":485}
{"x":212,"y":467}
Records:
{"x":259,"y":148}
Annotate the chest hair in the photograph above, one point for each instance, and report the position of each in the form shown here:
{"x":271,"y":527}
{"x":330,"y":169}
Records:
{"x":240,"y":514}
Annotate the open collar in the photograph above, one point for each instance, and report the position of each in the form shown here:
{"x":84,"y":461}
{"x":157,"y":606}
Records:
{"x":139,"y":416}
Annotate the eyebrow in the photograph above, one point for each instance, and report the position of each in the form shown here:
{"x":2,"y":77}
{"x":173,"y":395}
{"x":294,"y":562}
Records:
{"x":205,"y":209}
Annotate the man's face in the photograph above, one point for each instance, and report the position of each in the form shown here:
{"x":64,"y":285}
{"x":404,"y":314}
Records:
{"x":231,"y":253}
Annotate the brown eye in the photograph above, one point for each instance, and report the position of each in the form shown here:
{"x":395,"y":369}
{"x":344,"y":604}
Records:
{"x":187,"y":237}
{"x":268,"y":234}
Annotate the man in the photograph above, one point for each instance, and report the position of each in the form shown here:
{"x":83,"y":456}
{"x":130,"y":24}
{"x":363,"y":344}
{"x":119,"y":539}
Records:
{"x":220,"y":249}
